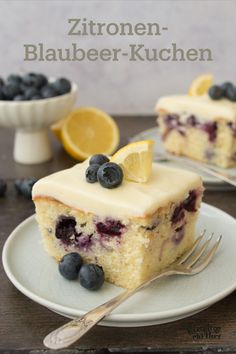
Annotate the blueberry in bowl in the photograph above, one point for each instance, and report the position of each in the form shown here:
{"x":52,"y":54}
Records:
{"x":30,"y":104}
{"x":33,"y":86}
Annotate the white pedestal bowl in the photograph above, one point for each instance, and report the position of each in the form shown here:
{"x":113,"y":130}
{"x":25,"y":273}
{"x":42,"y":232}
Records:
{"x":31,"y":120}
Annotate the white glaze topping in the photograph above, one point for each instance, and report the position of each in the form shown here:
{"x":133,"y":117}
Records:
{"x":129,"y":199}
{"x":202,"y":106}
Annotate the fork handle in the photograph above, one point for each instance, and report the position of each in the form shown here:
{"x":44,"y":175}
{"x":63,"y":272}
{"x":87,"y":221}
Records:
{"x":69,"y":333}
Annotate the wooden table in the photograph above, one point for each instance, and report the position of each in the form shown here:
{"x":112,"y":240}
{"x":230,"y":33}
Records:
{"x":23,"y":323}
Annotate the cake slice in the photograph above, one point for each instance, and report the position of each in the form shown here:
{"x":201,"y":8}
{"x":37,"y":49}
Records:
{"x":132,"y":231}
{"x":199,"y":127}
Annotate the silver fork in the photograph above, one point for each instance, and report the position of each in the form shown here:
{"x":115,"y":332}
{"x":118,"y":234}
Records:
{"x":191,"y":262}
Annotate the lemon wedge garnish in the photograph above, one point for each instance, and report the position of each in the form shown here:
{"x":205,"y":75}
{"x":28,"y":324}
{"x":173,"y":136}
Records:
{"x":200,"y":85}
{"x":136,"y":160}
{"x":87,"y":131}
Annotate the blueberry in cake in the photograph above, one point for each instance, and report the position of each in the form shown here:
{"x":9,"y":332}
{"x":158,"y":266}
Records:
{"x":132,"y":230}
{"x":201,"y":127}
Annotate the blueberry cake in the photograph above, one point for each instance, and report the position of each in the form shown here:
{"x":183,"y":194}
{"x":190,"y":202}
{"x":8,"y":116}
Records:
{"x":132,"y":231}
{"x":199,"y":127}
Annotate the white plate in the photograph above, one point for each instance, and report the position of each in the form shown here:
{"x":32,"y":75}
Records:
{"x":35,"y":274}
{"x":211,"y":181}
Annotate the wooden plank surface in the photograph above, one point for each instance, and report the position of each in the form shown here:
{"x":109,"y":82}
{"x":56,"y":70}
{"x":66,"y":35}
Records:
{"x":23,"y":323}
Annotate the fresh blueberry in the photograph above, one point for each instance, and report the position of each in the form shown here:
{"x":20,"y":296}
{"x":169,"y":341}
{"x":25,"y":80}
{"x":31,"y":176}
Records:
{"x":91,"y":173}
{"x":14,"y":79}
{"x":62,"y":86}
{"x":98,"y":159}
{"x":231,"y":93}
{"x":49,"y":91}
{"x":91,"y":276}
{"x":29,"y":79}
{"x":35,"y":80}
{"x":11,"y":90}
{"x":3,"y":187}
{"x":40,"y":81}
{"x":216,"y":92}
{"x":19,"y":98}
{"x":2,"y":96}
{"x":23,"y":88}
{"x":17,"y":184}
{"x":225,"y":86}
{"x":30,"y":92}
{"x":36,"y":97}
{"x":69,"y":265}
{"x":110,"y":175}
{"x":1,"y":82}
{"x":24,"y":186}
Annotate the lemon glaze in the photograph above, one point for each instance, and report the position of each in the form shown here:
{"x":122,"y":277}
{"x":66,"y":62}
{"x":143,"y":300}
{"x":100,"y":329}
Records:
{"x":166,"y":185}
{"x":202,"y":106}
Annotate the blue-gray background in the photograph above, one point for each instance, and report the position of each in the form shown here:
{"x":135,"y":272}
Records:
{"x":121,"y":87}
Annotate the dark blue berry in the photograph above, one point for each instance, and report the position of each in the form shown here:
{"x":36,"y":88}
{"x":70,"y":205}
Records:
{"x":178,"y":214}
{"x":3,"y":187}
{"x":35,"y":80}
{"x":65,"y":228}
{"x":23,"y":88}
{"x":29,"y":79}
{"x":98,"y":159}
{"x":91,"y":173}
{"x":69,"y":265}
{"x":2,"y":96}
{"x":225,"y":86}
{"x":18,"y":183}
{"x":36,"y":97}
{"x":62,"y":86}
{"x":192,"y":120}
{"x":231,"y":93}
{"x":14,"y":79}
{"x":91,"y":276}
{"x":211,"y":129}
{"x":24,"y":186}
{"x":110,"y":175}
{"x":110,"y":227}
{"x":19,"y":98}
{"x":10,"y":91}
{"x":189,"y":203}
{"x":40,"y":81}
{"x":48,"y":91}
{"x":216,"y":92}
{"x":30,"y":92}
